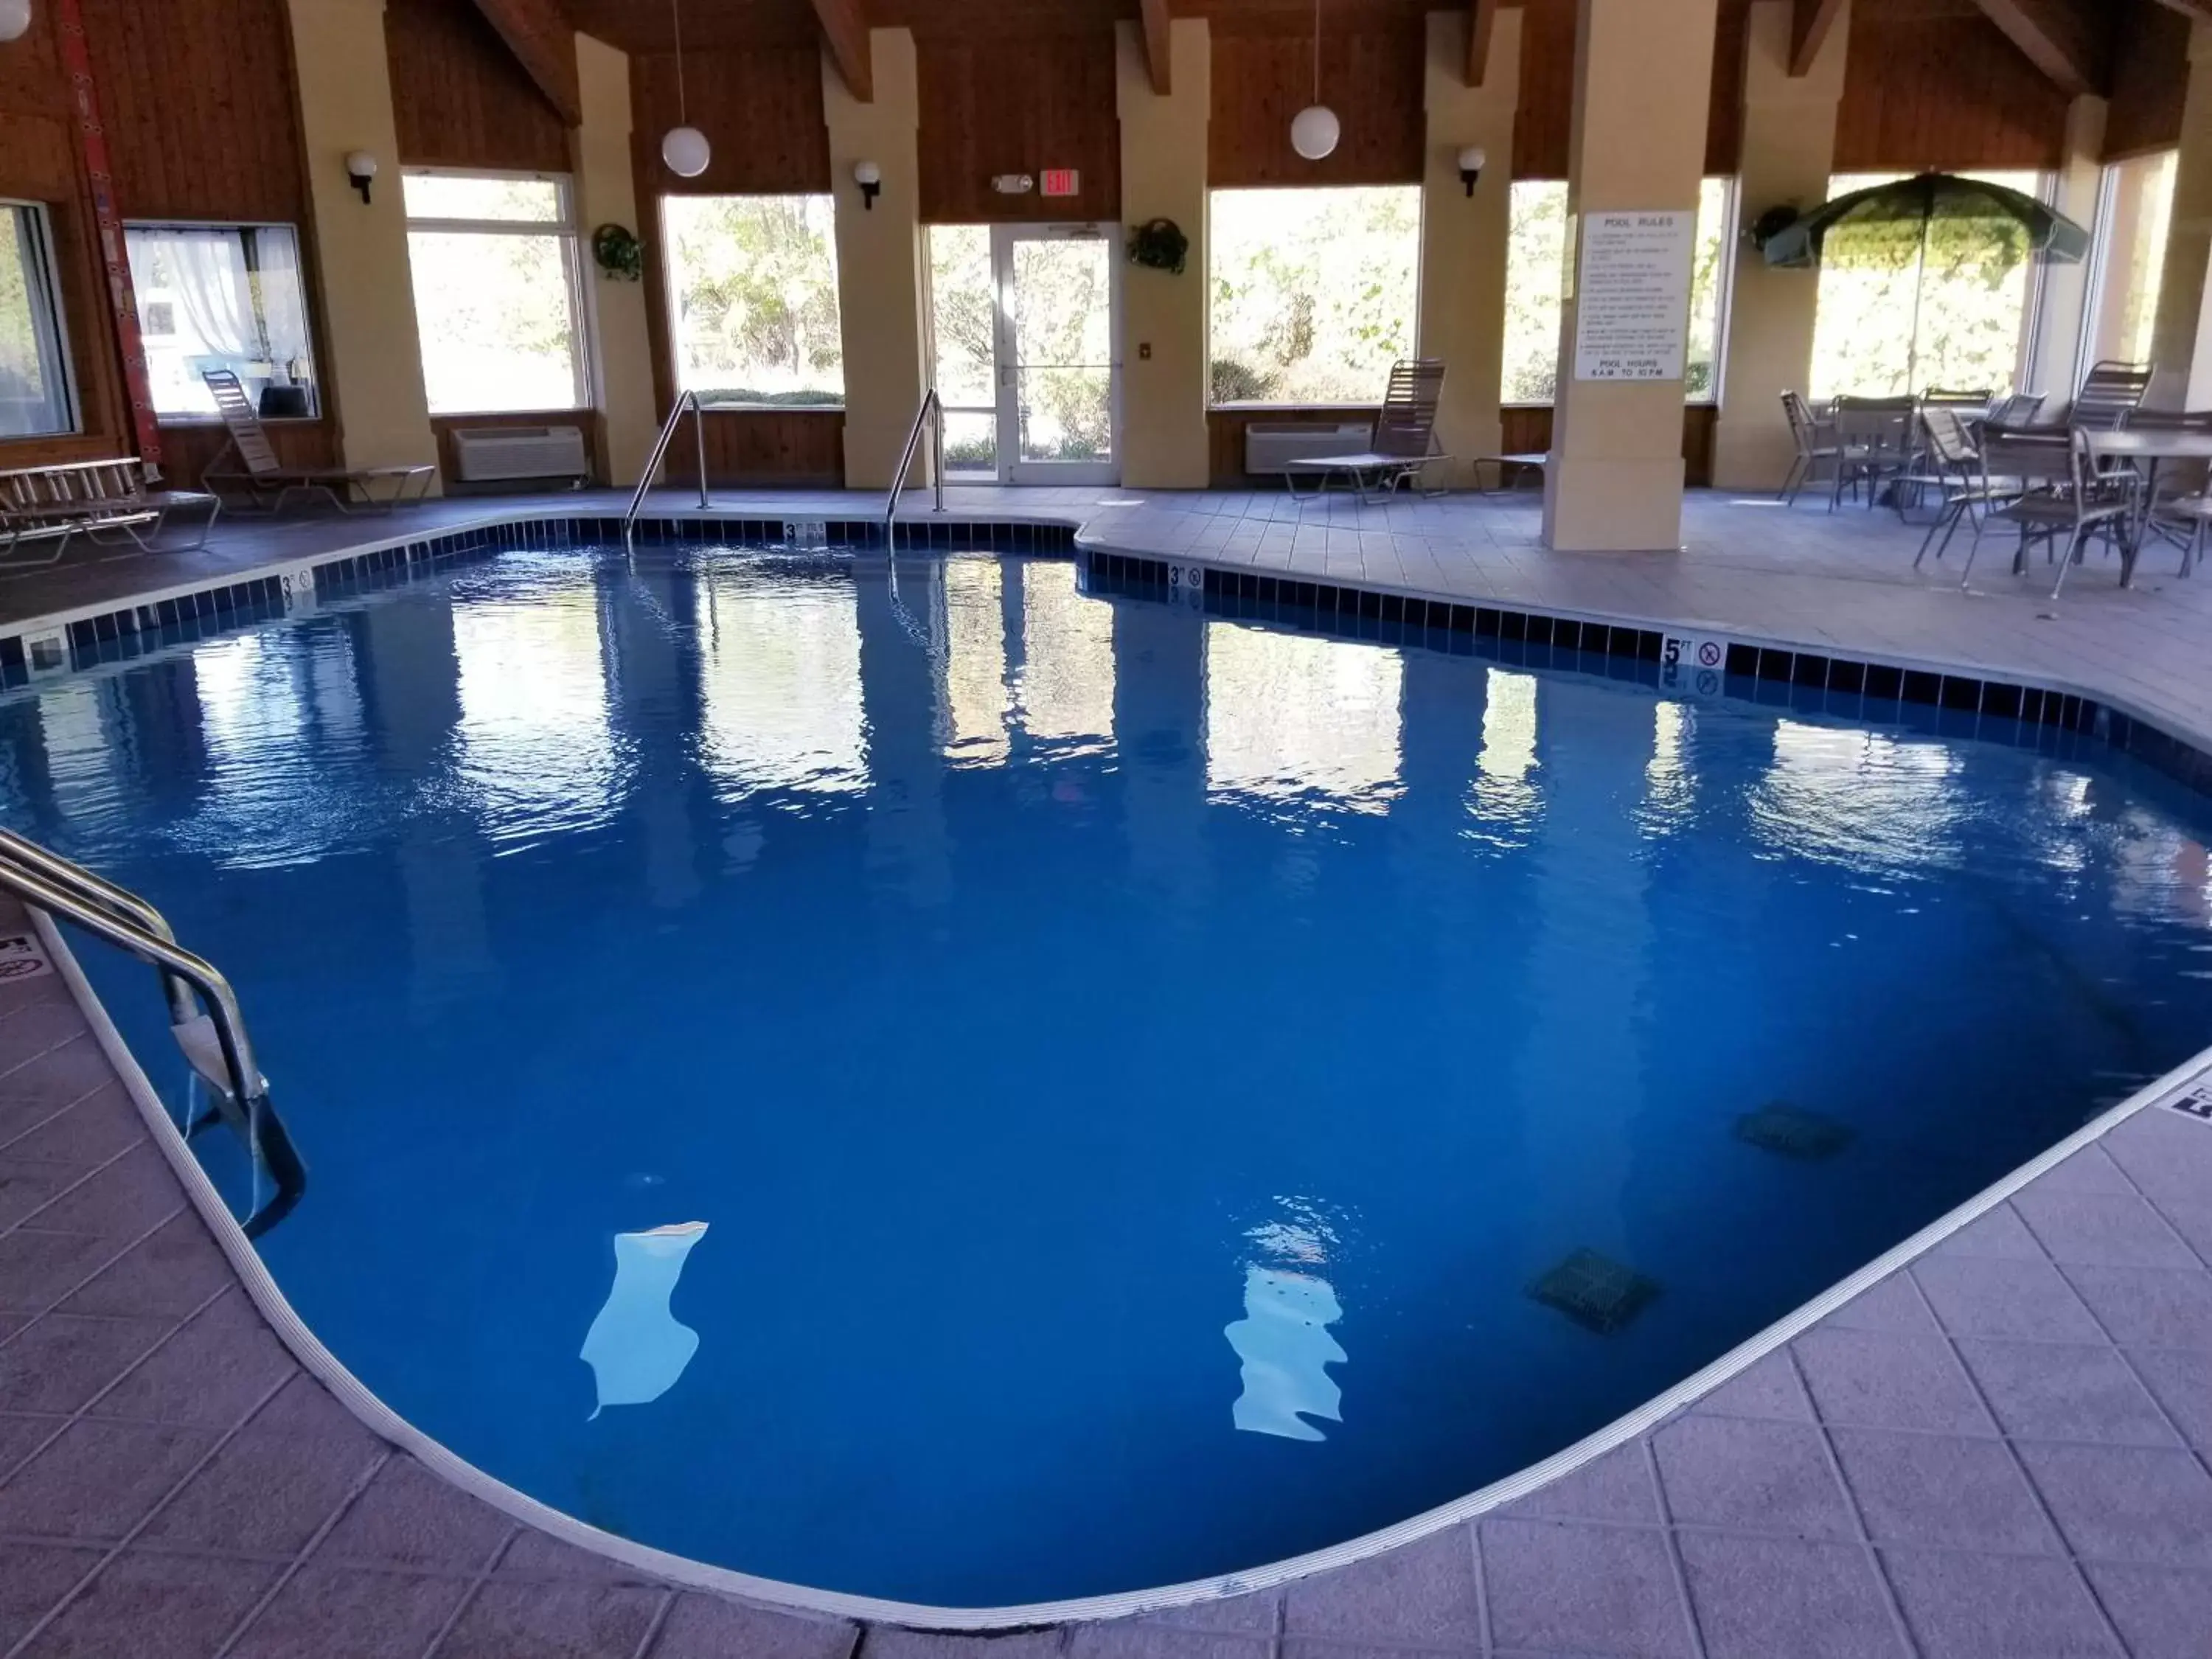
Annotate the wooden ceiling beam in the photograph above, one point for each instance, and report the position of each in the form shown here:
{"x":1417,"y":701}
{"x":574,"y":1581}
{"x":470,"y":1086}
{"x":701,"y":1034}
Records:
{"x":1159,"y":55}
{"x":1811,"y":23}
{"x":1481,"y":24}
{"x":2069,"y":41}
{"x":845,"y":30}
{"x":539,"y":33}
{"x":2198,"y":11}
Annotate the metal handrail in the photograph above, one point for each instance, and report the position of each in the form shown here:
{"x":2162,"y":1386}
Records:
{"x":121,"y":918}
{"x":684,"y":400}
{"x":930,"y":404}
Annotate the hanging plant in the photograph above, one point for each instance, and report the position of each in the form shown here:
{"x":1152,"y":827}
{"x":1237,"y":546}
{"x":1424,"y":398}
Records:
{"x":1159,"y":244}
{"x":619,"y":253}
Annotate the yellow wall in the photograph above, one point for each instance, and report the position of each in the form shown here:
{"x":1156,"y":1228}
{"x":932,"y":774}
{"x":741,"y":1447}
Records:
{"x":368,"y":298}
{"x":1163,"y":396}
{"x":1789,"y":151}
{"x":606,"y":192}
{"x":1642,"y":68}
{"x":1463,"y":241}
{"x":2181,"y":344}
{"x":879,"y":252}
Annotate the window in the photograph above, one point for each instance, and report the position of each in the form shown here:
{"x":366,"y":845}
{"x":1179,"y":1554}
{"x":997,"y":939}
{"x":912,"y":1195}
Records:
{"x":223,"y":297}
{"x":34,"y":392}
{"x":1536,"y":273}
{"x":1315,"y":292}
{"x":752,"y":298}
{"x":2133,"y":221}
{"x":1899,"y":313}
{"x":963,"y":319}
{"x":494,"y":257}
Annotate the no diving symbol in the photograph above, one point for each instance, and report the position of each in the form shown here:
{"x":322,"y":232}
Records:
{"x":1708,"y":654}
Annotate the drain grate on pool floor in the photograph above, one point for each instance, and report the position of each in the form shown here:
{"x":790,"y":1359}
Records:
{"x":1778,"y":1127}
{"x":1595,"y":1291}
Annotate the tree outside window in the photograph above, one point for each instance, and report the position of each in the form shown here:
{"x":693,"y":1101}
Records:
{"x":495,"y":278}
{"x":752,"y":291}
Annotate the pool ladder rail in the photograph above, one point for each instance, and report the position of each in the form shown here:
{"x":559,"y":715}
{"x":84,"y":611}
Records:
{"x":684,"y":401}
{"x":203,"y":1013}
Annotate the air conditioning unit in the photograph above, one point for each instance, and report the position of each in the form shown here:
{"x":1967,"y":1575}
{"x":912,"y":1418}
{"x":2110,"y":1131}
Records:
{"x":508,"y":455}
{"x":1268,"y":448}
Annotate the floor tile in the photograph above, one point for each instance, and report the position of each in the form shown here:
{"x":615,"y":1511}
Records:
{"x":1938,"y":1490}
{"x":2007,"y":1298}
{"x":1423,"y":1594}
{"x":408,"y":1517}
{"x":506,"y":1620}
{"x":2127,"y":1503}
{"x":2101,"y":1230}
{"x":1761,"y":1598}
{"x":1768,"y":1388}
{"x":173,"y":1271}
{"x":154,"y":1606}
{"x":60,"y":1362}
{"x":701,"y":1626}
{"x":2161,"y":1614}
{"x":351,"y":1613}
{"x":2064,"y":1391}
{"x":34,"y":1578}
{"x":99,"y":1479}
{"x":1756,"y":1476}
{"x":1616,"y":1486}
{"x":1883,"y":1379}
{"x":209,"y":1374}
{"x":1961,"y":1606}
{"x":1890,"y":1305}
{"x":2147,"y":1307}
{"x":1567,"y":1586}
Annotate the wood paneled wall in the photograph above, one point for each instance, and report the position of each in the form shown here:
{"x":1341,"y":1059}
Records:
{"x":459,"y":96}
{"x":2150,"y":79}
{"x":1946,"y":93}
{"x":1371,"y":78}
{"x":765,"y":446}
{"x":760,"y":109}
{"x":1543,"y":125}
{"x":1017,"y":105}
{"x":1526,"y":430}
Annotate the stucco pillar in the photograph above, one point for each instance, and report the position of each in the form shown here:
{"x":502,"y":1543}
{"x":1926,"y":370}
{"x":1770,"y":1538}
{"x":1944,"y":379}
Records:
{"x":1164,"y":375}
{"x":2048,"y":363}
{"x":1789,"y":151}
{"x":606,"y":193}
{"x":2181,"y":339}
{"x":374,"y":376}
{"x":1643,"y":75}
{"x":1462,"y":312}
{"x":879,"y":269}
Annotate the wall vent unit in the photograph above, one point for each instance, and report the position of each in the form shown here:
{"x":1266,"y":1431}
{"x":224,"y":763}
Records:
{"x":506,"y":454}
{"x":1270,"y":448}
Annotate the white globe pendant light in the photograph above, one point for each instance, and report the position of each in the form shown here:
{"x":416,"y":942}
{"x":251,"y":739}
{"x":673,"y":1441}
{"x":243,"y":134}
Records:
{"x":1313,"y":130}
{"x":14,"y":19}
{"x":685,"y":148}
{"x":686,"y":151}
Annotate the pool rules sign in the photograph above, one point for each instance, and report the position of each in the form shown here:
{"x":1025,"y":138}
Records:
{"x":1632,"y":308}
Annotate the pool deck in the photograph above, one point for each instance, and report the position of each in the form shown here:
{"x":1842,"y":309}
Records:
{"x":1998,"y":1449}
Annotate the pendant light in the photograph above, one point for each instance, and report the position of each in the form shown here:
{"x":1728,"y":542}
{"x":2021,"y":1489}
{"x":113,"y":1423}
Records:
{"x":14,"y":19}
{"x":1314,"y":128}
{"x":685,"y":148}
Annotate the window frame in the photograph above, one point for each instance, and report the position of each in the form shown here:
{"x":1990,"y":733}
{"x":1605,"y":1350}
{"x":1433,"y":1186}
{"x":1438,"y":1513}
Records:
{"x":562,"y":229}
{"x":671,"y":309}
{"x":1355,"y":406}
{"x":43,"y":270}
{"x":210,"y":417}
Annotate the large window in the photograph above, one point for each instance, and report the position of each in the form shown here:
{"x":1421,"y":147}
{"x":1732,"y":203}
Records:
{"x":35,"y":392}
{"x":223,"y":297}
{"x":496,"y":291}
{"x":1314,"y":292}
{"x":1903,"y":312}
{"x":2134,"y":217}
{"x":752,"y":297}
{"x":1535,"y":277}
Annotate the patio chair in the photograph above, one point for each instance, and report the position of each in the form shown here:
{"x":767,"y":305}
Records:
{"x":1816,"y":446}
{"x":268,"y":485}
{"x":2110,"y":393}
{"x":2089,"y":504}
{"x":107,"y":496}
{"x":2019,"y":409}
{"x":1956,"y":464}
{"x":2174,"y":488}
{"x":1874,"y":438}
{"x":1405,"y":436}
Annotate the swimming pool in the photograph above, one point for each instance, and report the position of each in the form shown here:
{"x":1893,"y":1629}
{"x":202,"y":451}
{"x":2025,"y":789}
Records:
{"x":995,"y":1095}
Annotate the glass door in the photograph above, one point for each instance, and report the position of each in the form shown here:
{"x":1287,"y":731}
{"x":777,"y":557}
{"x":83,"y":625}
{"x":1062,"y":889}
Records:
{"x":1026,"y":327}
{"x":1059,"y":382}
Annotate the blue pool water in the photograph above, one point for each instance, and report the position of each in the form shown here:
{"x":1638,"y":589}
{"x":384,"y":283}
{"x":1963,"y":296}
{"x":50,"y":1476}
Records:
{"x":1009,"y":1095}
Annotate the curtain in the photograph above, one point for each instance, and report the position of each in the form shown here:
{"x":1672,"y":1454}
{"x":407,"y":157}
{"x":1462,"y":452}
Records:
{"x":210,"y":285}
{"x":283,"y":312}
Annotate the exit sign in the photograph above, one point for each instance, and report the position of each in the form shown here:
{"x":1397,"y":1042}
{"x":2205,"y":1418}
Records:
{"x":1061,"y":181}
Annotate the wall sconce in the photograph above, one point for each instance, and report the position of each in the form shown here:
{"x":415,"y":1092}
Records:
{"x":360,"y":167}
{"x":869,"y":178}
{"x":1471,"y":163}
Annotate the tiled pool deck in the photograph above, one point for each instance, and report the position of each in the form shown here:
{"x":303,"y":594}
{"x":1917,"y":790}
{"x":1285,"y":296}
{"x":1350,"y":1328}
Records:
{"x":1999,"y":1449}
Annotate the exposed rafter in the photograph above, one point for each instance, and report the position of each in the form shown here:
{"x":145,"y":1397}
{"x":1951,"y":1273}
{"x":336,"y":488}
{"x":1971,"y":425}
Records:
{"x":1811,"y":23}
{"x":845,"y":30}
{"x":1481,"y":24}
{"x":2069,"y":41}
{"x":539,"y":33}
{"x":1159,"y":56}
{"x":2201,"y":10}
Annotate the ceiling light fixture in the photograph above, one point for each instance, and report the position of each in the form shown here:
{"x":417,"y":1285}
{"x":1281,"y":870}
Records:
{"x":14,"y":19}
{"x":685,"y":148}
{"x":1314,"y":128}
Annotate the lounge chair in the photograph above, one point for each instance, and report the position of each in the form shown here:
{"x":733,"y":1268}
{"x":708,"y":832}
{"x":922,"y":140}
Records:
{"x":103,"y":496}
{"x":1404,"y":437}
{"x":268,"y":485}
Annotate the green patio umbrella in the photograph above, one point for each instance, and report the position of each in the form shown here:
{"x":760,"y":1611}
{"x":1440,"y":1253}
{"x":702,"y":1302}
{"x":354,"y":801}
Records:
{"x":1921,"y":200}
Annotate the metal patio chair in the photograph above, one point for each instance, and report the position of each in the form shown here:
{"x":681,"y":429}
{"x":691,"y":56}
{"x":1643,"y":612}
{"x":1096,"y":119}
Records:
{"x":2087,"y":505}
{"x":1404,"y":437}
{"x":1814,"y":439}
{"x":1874,"y":436}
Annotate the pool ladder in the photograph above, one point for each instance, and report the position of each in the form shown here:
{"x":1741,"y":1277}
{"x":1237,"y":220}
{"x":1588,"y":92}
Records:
{"x":687,"y":400}
{"x":932,"y":415}
{"x":210,"y":1031}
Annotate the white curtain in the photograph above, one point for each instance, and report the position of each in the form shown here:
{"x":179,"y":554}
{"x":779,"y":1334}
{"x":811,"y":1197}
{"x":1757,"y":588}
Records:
{"x":283,"y":315}
{"x":208,"y":283}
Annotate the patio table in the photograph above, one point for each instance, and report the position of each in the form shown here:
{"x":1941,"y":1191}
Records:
{"x":2150,"y":447}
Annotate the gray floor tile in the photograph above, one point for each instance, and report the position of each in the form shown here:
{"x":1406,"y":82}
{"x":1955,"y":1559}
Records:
{"x":1422,"y":1593}
{"x":2061,"y":1391}
{"x":2127,"y":1503}
{"x":1884,"y":1379}
{"x":1758,"y":1598}
{"x":1936,"y":1490}
{"x":1566,"y":1586}
{"x":1959,"y":1606}
{"x":1755,"y":1476}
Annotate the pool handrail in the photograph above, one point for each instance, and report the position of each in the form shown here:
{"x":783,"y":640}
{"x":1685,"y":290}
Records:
{"x":684,"y":401}
{"x":930,"y":404}
{"x":63,"y":889}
